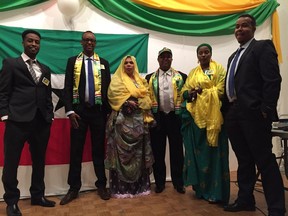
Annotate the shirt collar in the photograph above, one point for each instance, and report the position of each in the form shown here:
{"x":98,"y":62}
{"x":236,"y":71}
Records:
{"x":169,"y":72}
{"x":26,"y":57}
{"x":86,"y":57}
{"x":247,"y":43}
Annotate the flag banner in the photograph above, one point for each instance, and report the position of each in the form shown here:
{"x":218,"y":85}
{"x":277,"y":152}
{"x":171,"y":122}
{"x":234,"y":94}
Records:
{"x":56,"y":47}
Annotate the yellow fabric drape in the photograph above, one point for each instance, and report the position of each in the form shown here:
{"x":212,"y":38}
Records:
{"x":122,"y":87}
{"x":276,"y":35}
{"x":201,"y":7}
{"x":209,"y":7}
{"x":205,"y":110}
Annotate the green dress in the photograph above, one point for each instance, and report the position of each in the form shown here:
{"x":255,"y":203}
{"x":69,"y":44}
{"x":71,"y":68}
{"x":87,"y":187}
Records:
{"x":206,"y":168}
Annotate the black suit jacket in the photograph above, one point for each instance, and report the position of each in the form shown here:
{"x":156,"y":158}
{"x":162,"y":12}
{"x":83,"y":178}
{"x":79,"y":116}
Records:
{"x":20,"y":96}
{"x":69,"y":77}
{"x":257,"y":79}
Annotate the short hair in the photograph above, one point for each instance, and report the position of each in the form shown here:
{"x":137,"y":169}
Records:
{"x":253,"y":20}
{"x":28,"y":31}
{"x":87,"y":32}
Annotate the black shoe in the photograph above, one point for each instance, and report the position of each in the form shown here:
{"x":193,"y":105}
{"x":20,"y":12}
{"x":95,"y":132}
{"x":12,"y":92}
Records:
{"x":103,"y":193}
{"x":180,"y":189}
{"x":13,"y":210}
{"x":42,"y":201}
{"x":71,"y":195}
{"x":159,"y":188}
{"x":236,"y":207}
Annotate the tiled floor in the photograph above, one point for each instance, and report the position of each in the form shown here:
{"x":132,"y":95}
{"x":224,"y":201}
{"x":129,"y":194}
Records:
{"x":169,"y":202}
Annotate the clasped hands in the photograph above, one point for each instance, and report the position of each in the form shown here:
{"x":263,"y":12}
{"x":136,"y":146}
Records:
{"x":129,"y":106}
{"x":193,"y":93}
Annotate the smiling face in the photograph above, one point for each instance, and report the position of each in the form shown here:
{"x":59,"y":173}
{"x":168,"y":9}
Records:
{"x":165,"y":60}
{"x":204,"y":56}
{"x":88,"y":43}
{"x":129,"y":66}
{"x":244,"y":30}
{"x":31,"y":44}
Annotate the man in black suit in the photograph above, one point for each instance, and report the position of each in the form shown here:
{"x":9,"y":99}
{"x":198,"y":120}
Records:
{"x":27,"y":110}
{"x":86,"y":104}
{"x":252,"y":95}
{"x":166,"y":102}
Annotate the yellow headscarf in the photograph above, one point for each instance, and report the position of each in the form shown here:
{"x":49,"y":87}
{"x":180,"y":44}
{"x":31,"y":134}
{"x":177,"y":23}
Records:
{"x":122,"y":87}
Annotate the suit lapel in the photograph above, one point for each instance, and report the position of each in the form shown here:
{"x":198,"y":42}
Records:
{"x":246,"y":52}
{"x":23,"y":65}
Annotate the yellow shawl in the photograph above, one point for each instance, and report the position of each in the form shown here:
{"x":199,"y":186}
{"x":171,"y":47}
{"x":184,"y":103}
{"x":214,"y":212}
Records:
{"x":205,"y":110}
{"x":122,"y":87}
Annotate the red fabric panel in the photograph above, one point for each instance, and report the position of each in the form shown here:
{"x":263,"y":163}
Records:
{"x":58,"y":150}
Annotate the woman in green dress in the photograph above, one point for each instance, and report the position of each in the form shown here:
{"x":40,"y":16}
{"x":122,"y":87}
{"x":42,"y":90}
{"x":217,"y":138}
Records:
{"x":206,"y":165}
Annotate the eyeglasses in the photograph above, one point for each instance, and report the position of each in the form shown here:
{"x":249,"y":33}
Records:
{"x":88,"y":40}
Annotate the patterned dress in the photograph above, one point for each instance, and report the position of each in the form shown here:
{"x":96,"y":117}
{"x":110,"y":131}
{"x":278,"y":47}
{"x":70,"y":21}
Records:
{"x":129,"y":156}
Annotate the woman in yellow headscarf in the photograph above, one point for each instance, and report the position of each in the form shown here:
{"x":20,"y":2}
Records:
{"x":129,"y":155}
{"x":206,"y":165}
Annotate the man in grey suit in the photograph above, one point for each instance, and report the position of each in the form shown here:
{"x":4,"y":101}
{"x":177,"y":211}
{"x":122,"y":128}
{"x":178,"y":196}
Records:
{"x":27,"y":110}
{"x":252,"y":87}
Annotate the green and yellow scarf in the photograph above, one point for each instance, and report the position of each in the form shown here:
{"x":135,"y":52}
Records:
{"x":97,"y":78}
{"x":177,"y":82}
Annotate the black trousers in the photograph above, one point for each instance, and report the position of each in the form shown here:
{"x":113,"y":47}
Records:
{"x":168,"y":125}
{"x":94,"y":119}
{"x":251,"y":139}
{"x":37,"y":134}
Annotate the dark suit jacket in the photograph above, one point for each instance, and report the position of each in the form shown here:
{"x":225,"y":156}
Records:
{"x":20,"y":97}
{"x":69,"y":77}
{"x":257,"y":79}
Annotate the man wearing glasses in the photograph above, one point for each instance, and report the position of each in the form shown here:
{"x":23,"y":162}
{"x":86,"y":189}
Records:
{"x":86,"y":82}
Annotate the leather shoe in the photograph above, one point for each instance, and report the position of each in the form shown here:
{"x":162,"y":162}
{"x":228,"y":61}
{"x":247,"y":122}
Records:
{"x":13,"y":210}
{"x":180,"y":189}
{"x":159,"y":188}
{"x":103,"y":193}
{"x":71,"y":195}
{"x":236,"y":207}
{"x":42,"y":201}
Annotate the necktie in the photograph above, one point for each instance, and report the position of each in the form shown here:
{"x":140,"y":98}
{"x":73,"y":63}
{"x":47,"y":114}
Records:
{"x":91,"y":85}
{"x":31,"y":70}
{"x":232,"y":73}
{"x":166,"y":96}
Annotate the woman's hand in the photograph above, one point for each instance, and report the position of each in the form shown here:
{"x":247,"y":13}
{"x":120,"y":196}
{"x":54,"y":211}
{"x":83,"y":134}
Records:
{"x":129,"y":106}
{"x":193,"y":93}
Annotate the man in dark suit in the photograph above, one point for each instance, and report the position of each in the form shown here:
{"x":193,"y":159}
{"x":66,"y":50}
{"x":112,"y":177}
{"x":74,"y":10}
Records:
{"x":86,"y":104}
{"x":27,"y":110}
{"x":165,"y":85}
{"x":252,"y":90}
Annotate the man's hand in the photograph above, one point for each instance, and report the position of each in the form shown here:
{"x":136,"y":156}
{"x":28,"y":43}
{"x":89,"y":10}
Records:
{"x":74,"y":120}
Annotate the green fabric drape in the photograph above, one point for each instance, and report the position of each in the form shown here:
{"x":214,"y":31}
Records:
{"x":57,"y":46}
{"x":6,"y":5}
{"x":179,"y":23}
{"x":165,"y":21}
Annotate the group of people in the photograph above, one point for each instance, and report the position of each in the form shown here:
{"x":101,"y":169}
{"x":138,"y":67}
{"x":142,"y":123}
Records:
{"x":133,"y":116}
